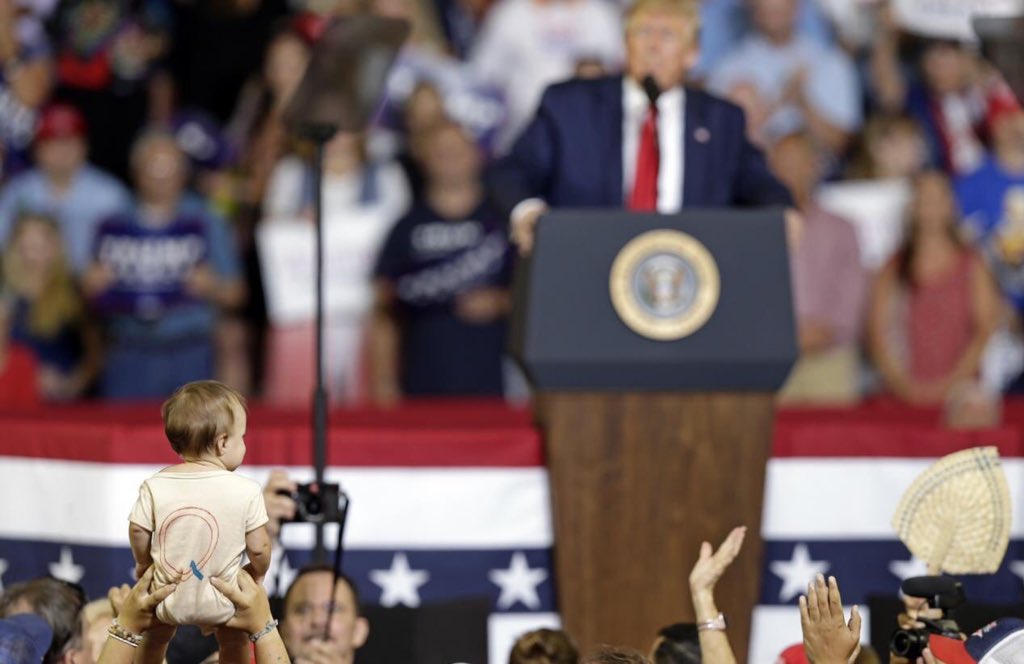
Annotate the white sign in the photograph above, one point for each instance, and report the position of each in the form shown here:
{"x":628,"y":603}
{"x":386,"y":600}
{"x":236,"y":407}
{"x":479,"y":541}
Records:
{"x":876,"y":209}
{"x":950,"y":19}
{"x":287,"y":260}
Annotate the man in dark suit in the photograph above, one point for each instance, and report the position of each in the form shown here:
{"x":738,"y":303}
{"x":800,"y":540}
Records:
{"x":640,"y":140}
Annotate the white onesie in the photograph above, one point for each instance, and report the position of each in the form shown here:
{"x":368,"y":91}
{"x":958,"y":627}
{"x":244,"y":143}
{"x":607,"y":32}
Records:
{"x":199,"y":522}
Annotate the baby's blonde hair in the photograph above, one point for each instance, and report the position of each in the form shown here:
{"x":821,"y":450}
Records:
{"x":197,"y":413}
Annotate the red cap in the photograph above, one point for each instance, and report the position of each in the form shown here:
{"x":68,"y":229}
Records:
{"x":793,"y":655}
{"x":60,"y":121}
{"x":949,"y":651}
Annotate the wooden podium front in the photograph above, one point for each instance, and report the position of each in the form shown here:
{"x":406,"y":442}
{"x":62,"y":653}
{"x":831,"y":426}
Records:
{"x":653,"y":446}
{"x":638,"y":481}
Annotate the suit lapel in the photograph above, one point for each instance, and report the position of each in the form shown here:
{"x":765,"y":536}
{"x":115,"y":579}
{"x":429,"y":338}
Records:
{"x":695,"y":150}
{"x":611,"y":110}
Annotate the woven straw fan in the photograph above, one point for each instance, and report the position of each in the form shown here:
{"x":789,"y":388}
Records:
{"x":956,"y":515}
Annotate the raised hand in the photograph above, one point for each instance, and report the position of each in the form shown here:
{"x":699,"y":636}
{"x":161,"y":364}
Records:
{"x":828,"y":637}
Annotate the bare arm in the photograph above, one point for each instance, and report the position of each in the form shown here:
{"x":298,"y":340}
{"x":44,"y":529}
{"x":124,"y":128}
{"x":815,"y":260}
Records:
{"x":384,"y":346}
{"x":883,"y":297}
{"x":252,"y":615}
{"x":888,"y":84}
{"x":714,"y":644}
{"x":257,"y":547}
{"x":140,"y":540}
{"x":986,"y":310}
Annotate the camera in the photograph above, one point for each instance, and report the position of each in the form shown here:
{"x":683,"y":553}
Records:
{"x":943,"y":593}
{"x":323,"y":503}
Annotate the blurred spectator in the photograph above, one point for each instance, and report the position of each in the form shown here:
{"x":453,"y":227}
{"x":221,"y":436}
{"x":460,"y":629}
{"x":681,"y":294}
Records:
{"x":726,"y":23}
{"x":63,"y":185}
{"x":442,"y":282}
{"x":25,"y":81}
{"x":24,"y":639}
{"x":677,"y":644}
{"x":800,"y":83}
{"x":890,"y":152}
{"x":60,"y":605}
{"x":162,"y":270}
{"x":362,"y":199}
{"x":208,"y":69}
{"x":934,"y":304}
{"x":829,"y":284}
{"x":424,"y":108}
{"x":110,"y":56}
{"x":466,"y":97}
{"x":890,"y":147}
{"x":97,"y":617}
{"x":17,"y":370}
{"x":992,"y":200}
{"x":255,"y":129}
{"x":525,"y":45}
{"x":306,"y":619}
{"x":544,"y":646}
{"x":946,"y":93}
{"x":610,"y":655}
{"x":47,"y":313}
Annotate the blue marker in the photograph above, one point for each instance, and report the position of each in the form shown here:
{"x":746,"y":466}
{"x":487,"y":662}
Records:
{"x":195,"y":570}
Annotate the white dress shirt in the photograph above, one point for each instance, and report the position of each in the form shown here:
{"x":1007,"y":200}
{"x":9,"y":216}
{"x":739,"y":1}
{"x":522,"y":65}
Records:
{"x":670,"y":142}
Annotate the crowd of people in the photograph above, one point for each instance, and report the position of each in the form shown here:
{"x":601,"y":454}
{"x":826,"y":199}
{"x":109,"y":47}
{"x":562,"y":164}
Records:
{"x":155,"y":210}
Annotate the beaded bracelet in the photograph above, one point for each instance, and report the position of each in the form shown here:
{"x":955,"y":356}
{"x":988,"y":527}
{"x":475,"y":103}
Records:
{"x":263,"y":632}
{"x":123,"y":635}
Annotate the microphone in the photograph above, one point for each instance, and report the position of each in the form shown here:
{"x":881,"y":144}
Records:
{"x":942,"y":592}
{"x":651,"y":89}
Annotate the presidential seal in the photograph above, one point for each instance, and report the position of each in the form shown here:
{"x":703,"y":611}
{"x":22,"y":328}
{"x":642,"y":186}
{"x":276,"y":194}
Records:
{"x":664,"y":285}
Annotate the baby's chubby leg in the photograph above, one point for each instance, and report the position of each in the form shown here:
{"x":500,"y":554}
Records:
{"x":154,"y":646}
{"x":234,"y":646}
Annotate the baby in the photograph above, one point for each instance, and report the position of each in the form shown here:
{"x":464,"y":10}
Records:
{"x":194,"y":520}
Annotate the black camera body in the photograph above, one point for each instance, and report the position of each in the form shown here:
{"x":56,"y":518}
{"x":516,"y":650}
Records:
{"x":943,"y":593}
{"x":323,"y":503}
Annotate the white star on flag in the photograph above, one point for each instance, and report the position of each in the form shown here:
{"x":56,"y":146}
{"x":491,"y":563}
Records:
{"x":400,"y":584}
{"x":906,"y":569}
{"x":1017,"y":567}
{"x":518,"y":583}
{"x":3,"y":570}
{"x":797,"y":572}
{"x":66,"y":569}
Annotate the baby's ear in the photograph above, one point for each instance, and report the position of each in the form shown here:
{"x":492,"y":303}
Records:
{"x":220,"y":443}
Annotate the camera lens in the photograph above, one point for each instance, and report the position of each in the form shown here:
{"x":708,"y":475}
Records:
{"x":313,"y":505}
{"x":909,"y":643}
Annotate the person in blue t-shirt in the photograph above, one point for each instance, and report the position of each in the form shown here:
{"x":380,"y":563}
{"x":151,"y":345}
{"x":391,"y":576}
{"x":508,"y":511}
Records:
{"x":992,"y":201}
{"x":160,"y":274}
{"x":442,"y":281}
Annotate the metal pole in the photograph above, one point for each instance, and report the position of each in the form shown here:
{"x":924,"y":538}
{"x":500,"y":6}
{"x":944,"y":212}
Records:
{"x":319,"y":391}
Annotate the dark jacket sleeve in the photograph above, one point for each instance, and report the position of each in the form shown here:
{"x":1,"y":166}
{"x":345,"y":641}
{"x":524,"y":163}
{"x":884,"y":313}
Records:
{"x":527,"y":171}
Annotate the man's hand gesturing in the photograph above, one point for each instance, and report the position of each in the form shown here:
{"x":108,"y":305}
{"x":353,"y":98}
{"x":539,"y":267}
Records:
{"x":828,"y":637}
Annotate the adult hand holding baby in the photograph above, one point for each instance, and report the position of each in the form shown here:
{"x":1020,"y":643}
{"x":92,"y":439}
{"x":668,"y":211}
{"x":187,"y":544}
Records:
{"x":252,"y":615}
{"x":134,"y":609}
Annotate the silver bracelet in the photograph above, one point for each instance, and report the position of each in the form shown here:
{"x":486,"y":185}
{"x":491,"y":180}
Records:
{"x":263,"y":632}
{"x":123,"y":635}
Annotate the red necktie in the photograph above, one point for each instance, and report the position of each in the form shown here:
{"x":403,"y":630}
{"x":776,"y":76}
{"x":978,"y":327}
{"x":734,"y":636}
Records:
{"x":645,"y":184}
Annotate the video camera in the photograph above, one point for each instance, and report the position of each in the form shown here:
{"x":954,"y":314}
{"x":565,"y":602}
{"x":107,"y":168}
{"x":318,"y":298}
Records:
{"x":324,"y":503}
{"x":943,"y":593}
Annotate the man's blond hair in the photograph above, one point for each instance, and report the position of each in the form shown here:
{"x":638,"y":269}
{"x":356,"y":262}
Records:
{"x":689,"y":10}
{"x":199,"y":412}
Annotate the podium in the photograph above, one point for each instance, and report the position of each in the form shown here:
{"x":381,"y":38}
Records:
{"x":655,"y":344}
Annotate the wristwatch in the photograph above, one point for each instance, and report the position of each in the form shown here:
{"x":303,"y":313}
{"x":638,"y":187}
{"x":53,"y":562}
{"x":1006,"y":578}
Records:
{"x":715,"y":624}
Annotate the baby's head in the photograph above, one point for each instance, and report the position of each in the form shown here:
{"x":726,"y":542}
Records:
{"x":205,"y":421}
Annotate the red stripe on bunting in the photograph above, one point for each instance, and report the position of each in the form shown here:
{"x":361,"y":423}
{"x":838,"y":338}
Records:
{"x":437,"y":434}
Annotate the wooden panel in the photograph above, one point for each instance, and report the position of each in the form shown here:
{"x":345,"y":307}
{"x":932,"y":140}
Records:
{"x":638,"y":482}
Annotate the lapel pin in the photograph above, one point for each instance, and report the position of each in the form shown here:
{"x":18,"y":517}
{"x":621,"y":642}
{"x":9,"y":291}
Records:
{"x":702,"y":135}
